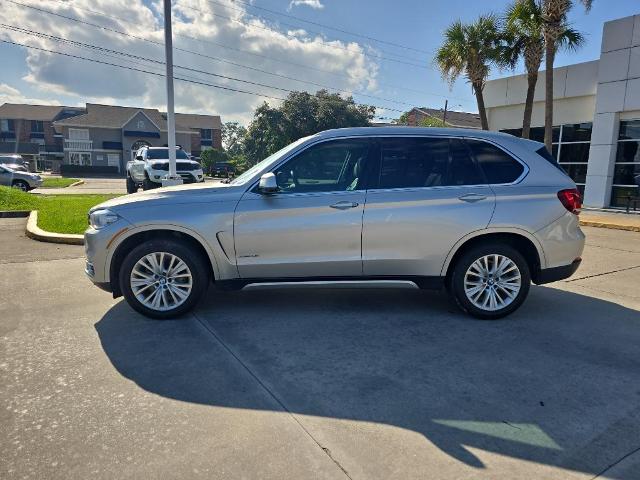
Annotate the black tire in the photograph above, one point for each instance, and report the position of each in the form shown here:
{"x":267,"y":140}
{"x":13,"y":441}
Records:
{"x":197,"y":266}
{"x":132,"y":187}
{"x":147,"y":184}
{"x":21,"y":185}
{"x":457,"y":280}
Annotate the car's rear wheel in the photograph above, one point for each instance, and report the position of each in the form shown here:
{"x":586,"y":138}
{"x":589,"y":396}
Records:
{"x":20,"y":185}
{"x":163,"y":278}
{"x":490,"y":281}
{"x":132,"y":187}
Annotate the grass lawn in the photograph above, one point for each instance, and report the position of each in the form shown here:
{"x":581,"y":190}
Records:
{"x":57,"y":182}
{"x":56,"y":213}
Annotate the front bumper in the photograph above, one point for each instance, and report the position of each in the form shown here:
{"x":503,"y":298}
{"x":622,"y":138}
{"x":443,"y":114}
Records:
{"x":97,"y":245}
{"x":194,"y":176}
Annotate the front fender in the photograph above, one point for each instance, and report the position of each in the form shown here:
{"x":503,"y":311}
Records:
{"x":130,"y":232}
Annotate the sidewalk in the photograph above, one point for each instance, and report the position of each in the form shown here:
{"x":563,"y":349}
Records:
{"x":614,"y":220}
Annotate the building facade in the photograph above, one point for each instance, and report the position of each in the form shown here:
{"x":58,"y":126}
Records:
{"x":596,"y":135}
{"x":28,"y":131}
{"x":106,"y":137}
{"x":100,"y":138}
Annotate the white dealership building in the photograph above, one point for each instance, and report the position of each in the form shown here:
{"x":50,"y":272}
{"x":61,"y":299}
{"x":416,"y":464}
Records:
{"x":596,"y":135}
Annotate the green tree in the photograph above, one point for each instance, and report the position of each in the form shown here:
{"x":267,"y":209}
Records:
{"x":470,"y":50}
{"x":233,"y":137}
{"x":431,"y":122}
{"x":554,"y":13}
{"x":300,"y":115}
{"x":524,"y":34}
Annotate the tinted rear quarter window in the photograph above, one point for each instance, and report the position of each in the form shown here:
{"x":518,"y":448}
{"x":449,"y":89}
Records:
{"x":497,"y":165}
{"x":426,"y":162}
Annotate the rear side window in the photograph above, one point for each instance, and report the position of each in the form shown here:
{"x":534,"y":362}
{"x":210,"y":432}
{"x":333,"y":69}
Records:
{"x":425,"y":162}
{"x":497,"y":165}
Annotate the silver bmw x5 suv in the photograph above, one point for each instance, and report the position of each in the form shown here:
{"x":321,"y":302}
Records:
{"x":481,"y":214}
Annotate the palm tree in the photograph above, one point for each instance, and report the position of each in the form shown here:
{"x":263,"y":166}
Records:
{"x":470,"y":49}
{"x":554,"y":13}
{"x":524,"y":35}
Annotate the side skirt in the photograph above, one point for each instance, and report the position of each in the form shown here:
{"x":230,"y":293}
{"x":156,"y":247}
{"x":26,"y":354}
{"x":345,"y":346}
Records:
{"x":422,"y":282}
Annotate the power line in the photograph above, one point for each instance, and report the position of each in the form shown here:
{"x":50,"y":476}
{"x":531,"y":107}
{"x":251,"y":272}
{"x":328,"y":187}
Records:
{"x":318,"y":24}
{"x":146,"y":59}
{"x":199,"y":82}
{"x":42,"y":10}
{"x":328,"y":45}
{"x":213,"y":85}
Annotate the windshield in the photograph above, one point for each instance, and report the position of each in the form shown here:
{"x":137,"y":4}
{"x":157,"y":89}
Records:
{"x":163,"y":154}
{"x":273,"y":158}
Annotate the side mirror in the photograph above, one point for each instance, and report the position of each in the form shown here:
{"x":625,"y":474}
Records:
{"x":268,"y":183}
{"x":139,"y":157}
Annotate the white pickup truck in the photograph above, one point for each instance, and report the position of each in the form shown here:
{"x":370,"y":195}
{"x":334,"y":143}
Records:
{"x":151,"y":164}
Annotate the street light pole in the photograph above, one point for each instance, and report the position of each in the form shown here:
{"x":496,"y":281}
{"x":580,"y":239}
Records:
{"x":172,"y":178}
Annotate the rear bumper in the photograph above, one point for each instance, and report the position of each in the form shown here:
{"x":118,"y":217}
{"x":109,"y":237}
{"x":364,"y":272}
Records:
{"x":548,"y":275}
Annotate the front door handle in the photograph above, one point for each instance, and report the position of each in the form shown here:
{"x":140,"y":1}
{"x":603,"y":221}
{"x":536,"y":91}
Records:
{"x":344,"y":205}
{"x":472,"y":197}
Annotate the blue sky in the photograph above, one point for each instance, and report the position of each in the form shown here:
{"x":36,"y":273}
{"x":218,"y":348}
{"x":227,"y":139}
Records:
{"x":285,"y":46}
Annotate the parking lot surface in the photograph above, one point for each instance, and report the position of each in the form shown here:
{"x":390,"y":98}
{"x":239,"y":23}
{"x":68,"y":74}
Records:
{"x":95,"y":186}
{"x":336,"y":383}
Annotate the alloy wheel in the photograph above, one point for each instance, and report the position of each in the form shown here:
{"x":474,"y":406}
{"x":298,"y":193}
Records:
{"x":161,"y":281}
{"x":492,"y":282}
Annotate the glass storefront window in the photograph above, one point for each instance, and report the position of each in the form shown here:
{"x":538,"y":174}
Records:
{"x":626,"y":174}
{"x":577,"y":132}
{"x":629,"y":130}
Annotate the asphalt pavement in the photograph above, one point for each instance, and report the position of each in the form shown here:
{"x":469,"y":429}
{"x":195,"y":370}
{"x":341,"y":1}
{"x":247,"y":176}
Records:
{"x":298,"y":383}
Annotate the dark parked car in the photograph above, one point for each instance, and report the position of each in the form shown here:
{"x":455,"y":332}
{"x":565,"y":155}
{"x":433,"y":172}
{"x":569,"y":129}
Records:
{"x":223,"y":169}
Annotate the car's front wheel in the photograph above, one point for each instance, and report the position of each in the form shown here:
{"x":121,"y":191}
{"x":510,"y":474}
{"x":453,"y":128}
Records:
{"x":132,"y":187}
{"x":163,"y":278}
{"x":21,"y":185}
{"x":490,"y":281}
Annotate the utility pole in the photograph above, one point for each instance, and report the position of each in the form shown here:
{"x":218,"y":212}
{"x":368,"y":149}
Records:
{"x":444,"y":117}
{"x":172,"y":178}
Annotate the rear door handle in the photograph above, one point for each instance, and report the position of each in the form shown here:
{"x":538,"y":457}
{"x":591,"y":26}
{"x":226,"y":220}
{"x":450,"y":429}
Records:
{"x":472,"y":197}
{"x":344,"y":205}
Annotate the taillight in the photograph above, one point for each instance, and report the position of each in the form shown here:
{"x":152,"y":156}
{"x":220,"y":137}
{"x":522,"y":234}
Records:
{"x":571,"y":200}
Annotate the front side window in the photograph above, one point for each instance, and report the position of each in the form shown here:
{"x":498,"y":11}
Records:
{"x":426,"y":162}
{"x":326,"y":167}
{"x":498,"y":166}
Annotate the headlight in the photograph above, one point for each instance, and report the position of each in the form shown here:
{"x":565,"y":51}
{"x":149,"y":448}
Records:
{"x":101,"y":218}
{"x":157,"y":166}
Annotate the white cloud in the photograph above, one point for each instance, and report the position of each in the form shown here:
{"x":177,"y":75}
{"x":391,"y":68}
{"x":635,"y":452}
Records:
{"x":317,"y":4}
{"x":252,"y":43}
{"x":9,"y":94}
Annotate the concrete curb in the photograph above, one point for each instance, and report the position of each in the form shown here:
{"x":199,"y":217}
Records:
{"x":612,"y":226}
{"x":75,"y":184}
{"x":14,"y":214}
{"x":36,"y":233}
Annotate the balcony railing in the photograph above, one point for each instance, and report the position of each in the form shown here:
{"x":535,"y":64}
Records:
{"x":79,"y":145}
{"x":49,"y":148}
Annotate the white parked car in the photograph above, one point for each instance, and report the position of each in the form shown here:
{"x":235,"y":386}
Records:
{"x":151,"y":164}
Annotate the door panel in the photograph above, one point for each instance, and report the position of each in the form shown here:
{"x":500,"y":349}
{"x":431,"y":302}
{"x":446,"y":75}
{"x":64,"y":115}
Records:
{"x":313,"y":226}
{"x":5,"y":177}
{"x":410,"y":232}
{"x":299,"y":235}
{"x":430,"y":194}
